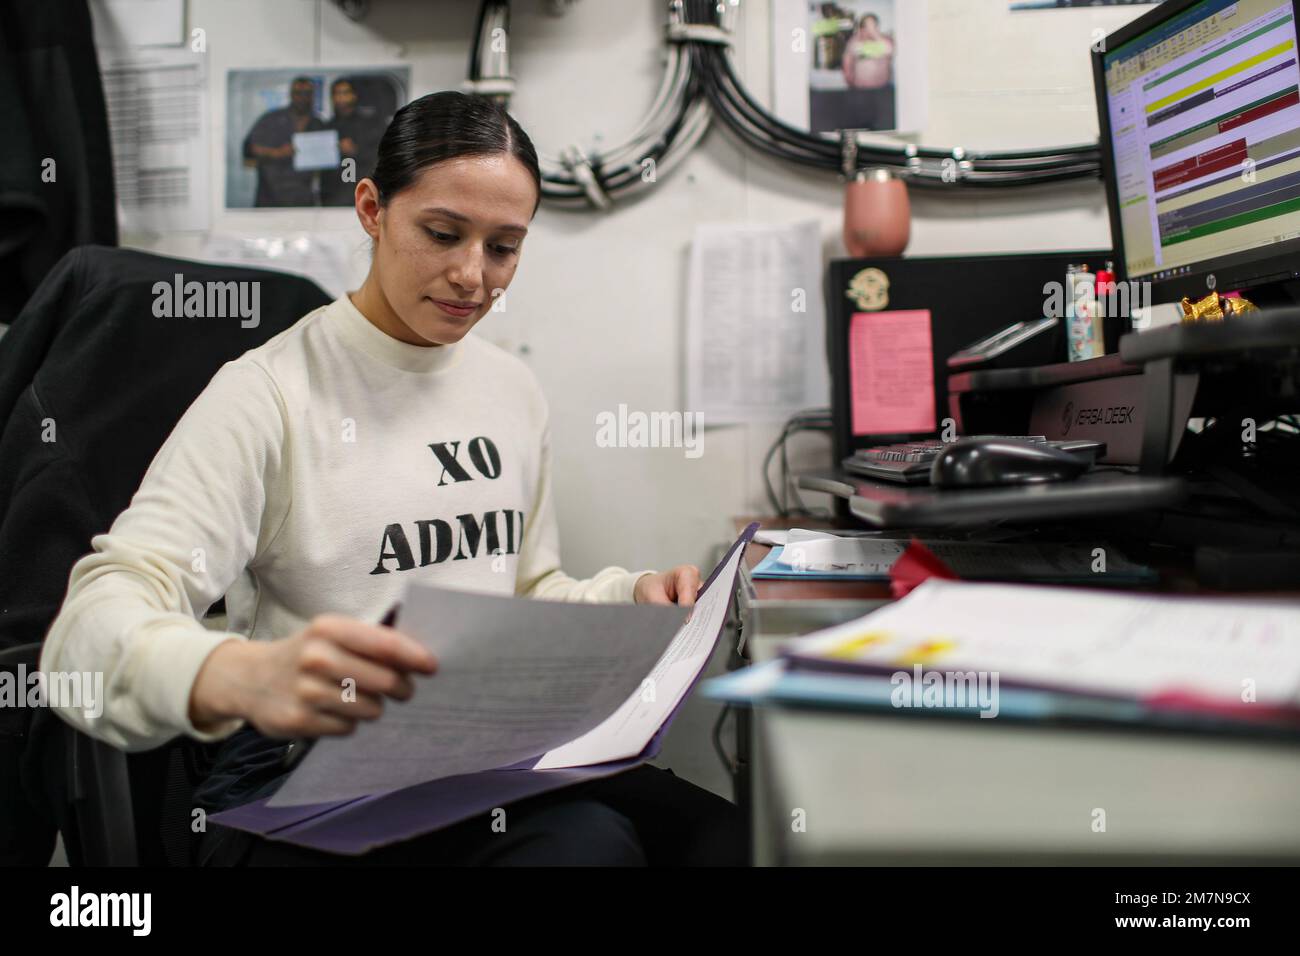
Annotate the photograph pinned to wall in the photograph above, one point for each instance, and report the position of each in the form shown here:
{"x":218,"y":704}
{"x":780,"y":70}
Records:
{"x":853,"y":64}
{"x":306,"y":137}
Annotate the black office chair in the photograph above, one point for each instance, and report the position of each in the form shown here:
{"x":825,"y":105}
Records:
{"x":104,"y":792}
{"x":88,"y":354}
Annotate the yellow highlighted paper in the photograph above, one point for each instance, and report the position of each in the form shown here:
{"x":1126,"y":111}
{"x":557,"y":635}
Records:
{"x":849,"y":649}
{"x":928,"y":651}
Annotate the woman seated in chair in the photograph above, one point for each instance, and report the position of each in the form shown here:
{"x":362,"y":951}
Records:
{"x":373,"y":442}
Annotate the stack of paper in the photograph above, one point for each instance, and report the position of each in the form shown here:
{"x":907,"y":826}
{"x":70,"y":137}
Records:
{"x":1040,"y":652}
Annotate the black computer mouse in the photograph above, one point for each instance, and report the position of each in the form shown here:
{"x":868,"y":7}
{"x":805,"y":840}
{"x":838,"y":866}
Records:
{"x":980,"y":462}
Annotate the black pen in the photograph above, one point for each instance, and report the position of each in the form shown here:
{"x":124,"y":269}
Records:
{"x":299,"y":746}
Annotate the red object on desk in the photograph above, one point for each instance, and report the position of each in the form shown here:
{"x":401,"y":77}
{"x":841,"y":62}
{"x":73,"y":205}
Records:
{"x":914,"y":567}
{"x":1199,"y":703}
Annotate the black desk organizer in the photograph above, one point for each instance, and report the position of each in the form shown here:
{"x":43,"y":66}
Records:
{"x":881,"y":504}
{"x":1247,"y":367}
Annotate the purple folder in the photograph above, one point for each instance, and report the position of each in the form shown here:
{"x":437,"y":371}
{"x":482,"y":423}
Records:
{"x":355,"y":826}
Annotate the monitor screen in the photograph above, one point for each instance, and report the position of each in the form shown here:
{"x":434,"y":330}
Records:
{"x":1202,"y":109}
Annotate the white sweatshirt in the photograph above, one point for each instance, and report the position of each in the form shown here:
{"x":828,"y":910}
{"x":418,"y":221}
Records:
{"x":316,"y":473}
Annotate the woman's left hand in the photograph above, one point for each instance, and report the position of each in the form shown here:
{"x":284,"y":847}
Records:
{"x":677,"y":585}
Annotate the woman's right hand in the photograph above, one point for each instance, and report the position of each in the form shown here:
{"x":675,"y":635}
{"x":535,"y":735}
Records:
{"x":297,"y":686}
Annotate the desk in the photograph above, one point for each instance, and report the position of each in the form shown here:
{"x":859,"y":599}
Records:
{"x":887,"y":789}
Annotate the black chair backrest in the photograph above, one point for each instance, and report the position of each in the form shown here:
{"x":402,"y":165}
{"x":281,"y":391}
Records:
{"x":89,"y":362}
{"x":102,"y":362}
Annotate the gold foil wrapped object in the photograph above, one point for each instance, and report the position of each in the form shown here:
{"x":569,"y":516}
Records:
{"x":1215,"y":308}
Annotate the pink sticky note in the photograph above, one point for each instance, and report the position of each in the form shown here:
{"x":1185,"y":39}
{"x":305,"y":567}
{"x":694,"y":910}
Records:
{"x":891,"y":372}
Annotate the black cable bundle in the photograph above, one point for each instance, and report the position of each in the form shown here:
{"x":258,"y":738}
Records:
{"x":919,"y":165}
{"x":700,"y":82}
{"x":809,"y":420}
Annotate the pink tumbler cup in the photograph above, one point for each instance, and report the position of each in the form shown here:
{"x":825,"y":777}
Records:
{"x":877,"y":215}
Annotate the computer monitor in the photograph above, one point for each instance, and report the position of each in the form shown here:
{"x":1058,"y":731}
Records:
{"x":1199,"y":107}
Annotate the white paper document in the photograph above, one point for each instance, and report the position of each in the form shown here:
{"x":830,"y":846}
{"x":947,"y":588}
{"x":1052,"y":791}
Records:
{"x":316,"y":150}
{"x":779,"y":537}
{"x":968,"y":559}
{"x":1130,"y":645}
{"x":630,"y":728}
{"x":516,"y":678}
{"x":523,"y":684}
{"x":755,"y":323}
{"x":157,"y":102}
{"x":128,"y":23}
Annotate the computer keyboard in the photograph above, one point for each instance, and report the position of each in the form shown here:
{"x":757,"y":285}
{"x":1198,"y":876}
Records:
{"x":909,"y":462}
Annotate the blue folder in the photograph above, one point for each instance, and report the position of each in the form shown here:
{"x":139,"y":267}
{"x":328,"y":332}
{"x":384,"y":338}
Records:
{"x":776,"y":683}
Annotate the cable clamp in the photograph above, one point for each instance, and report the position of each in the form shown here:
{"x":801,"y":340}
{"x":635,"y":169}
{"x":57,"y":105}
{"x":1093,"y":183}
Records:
{"x":848,"y":153}
{"x":698,"y":33}
{"x":956,"y":166}
{"x":576,"y":162}
{"x":914,"y":165}
{"x":489,"y":86}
